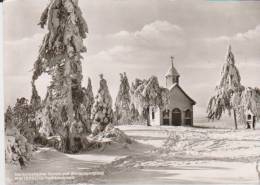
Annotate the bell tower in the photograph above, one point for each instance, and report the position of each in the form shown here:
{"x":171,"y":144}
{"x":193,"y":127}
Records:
{"x":172,"y":75}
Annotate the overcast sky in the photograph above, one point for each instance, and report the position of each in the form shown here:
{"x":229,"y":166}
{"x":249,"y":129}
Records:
{"x":138,"y":37}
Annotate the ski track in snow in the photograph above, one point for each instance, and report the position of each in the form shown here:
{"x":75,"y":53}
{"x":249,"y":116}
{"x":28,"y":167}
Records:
{"x":163,"y":155}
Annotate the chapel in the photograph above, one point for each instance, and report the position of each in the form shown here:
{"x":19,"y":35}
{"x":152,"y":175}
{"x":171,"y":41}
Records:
{"x":179,"y":111}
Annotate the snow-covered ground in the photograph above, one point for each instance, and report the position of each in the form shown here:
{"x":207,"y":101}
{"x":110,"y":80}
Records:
{"x":161,"y":155}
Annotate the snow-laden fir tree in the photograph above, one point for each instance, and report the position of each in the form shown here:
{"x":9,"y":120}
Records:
{"x":86,"y":107}
{"x":230,"y":85}
{"x":60,"y":57}
{"x":102,"y":113}
{"x":35,"y":101}
{"x":146,"y":93}
{"x":23,"y":119}
{"x":123,"y":100}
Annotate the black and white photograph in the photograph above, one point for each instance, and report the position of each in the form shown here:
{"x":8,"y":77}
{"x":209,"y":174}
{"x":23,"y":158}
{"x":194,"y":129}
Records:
{"x":132,"y":92}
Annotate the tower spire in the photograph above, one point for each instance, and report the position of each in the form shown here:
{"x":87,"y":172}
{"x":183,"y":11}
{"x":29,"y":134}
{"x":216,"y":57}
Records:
{"x":172,"y":76}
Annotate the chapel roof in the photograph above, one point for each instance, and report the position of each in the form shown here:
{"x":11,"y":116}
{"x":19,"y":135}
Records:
{"x":176,"y":85}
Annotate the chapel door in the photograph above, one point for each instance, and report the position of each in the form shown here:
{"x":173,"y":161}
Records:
{"x":176,"y":117}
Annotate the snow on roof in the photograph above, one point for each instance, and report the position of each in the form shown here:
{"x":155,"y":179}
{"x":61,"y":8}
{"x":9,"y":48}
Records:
{"x":249,"y":111}
{"x":172,"y":86}
{"x":177,"y":85}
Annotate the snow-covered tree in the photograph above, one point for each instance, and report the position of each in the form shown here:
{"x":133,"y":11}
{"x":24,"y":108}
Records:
{"x":8,"y":116}
{"x":20,"y":112}
{"x":86,"y":107}
{"x":134,"y":115}
{"x":43,"y":122}
{"x":20,"y":132}
{"x":102,"y":113}
{"x":18,"y":150}
{"x":250,"y":100}
{"x":148,"y":93}
{"x":35,"y":98}
{"x":230,"y":85}
{"x":60,"y":57}
{"x":122,"y":104}
{"x":89,"y":97}
{"x":245,"y":101}
{"x":23,"y":119}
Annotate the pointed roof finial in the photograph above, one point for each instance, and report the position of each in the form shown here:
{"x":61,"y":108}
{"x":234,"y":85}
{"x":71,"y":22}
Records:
{"x":172,"y":58}
{"x":229,"y":48}
{"x":230,"y":56}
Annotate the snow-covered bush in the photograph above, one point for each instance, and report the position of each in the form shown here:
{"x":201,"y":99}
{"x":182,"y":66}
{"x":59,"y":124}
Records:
{"x":113,"y":134}
{"x":18,"y":150}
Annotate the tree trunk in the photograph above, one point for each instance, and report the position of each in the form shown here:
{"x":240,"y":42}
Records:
{"x":69,"y":103}
{"x":235,"y":118}
{"x":148,"y":116}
